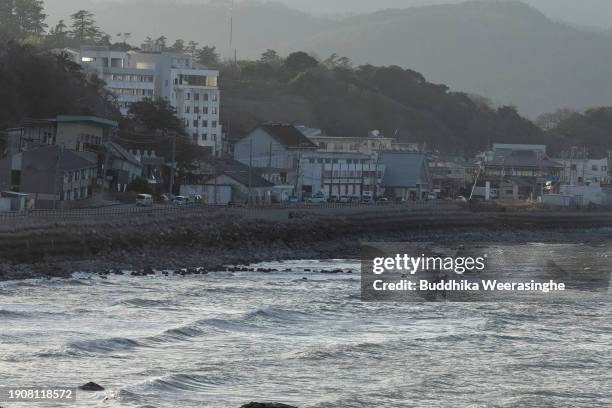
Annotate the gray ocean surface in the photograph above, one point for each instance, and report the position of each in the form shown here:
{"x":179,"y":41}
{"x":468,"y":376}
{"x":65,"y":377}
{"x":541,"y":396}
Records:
{"x":299,"y":337}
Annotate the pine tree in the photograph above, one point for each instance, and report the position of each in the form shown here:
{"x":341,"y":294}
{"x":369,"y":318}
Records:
{"x":30,"y":17}
{"x":84,"y":29}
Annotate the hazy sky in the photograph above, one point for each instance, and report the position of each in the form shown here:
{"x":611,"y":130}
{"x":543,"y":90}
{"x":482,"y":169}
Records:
{"x":582,"y":12}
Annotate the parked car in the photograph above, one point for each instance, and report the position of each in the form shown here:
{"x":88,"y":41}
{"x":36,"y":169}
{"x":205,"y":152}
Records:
{"x":181,"y":200}
{"x":461,"y":199}
{"x":382,"y":199}
{"x":367,"y":199}
{"x":293,"y":200}
{"x":317,"y":198}
{"x":344,"y":199}
{"x":432,"y":196}
{"x":144,"y":200}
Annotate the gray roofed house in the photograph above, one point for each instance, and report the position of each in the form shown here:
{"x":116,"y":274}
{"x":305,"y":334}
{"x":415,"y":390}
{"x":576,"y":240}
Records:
{"x":50,"y":173}
{"x":406,"y":175}
{"x":519,"y":171}
{"x":244,"y":184}
{"x":277,"y":148}
{"x":522,"y":158}
{"x":290,"y":136}
{"x":122,"y":166}
{"x":253,"y":180}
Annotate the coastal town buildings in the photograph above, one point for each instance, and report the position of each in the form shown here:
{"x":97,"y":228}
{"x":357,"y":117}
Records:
{"x":192,"y":90}
{"x":73,"y":132}
{"x":579,"y":171}
{"x":52,"y":175}
{"x":519,"y":170}
{"x":372,"y":144}
{"x":275,"y":150}
{"x":127,"y":83}
{"x":337,"y":174}
{"x":450,"y":175}
{"x":407,"y":175}
{"x":120,"y":167}
{"x":57,"y":161}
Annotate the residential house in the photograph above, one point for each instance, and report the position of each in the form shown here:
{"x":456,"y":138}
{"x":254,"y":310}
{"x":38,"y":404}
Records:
{"x":74,"y":132}
{"x":450,"y":175}
{"x":275,"y":150}
{"x":526,"y":167}
{"x":202,"y":180}
{"x":53,"y":176}
{"x":406,"y":175}
{"x":580,"y":171}
{"x":245,"y":186}
{"x":152,"y":166}
{"x":120,"y":167}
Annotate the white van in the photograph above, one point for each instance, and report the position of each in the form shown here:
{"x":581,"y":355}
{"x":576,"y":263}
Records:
{"x":144,"y":200}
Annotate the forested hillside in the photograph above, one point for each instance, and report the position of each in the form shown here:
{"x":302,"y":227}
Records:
{"x":349,"y":101}
{"x":333,"y":93}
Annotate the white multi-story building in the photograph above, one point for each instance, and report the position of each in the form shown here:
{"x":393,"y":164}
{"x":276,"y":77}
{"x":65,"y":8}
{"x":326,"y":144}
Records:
{"x":372,"y":145}
{"x":337,"y":174}
{"x":128,"y":84}
{"x":191,"y":90}
{"x":578,"y":171}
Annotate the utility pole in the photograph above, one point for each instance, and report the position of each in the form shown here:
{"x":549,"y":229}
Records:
{"x":60,"y":153}
{"x":215,"y":174}
{"x":250,"y":167}
{"x":173,"y":164}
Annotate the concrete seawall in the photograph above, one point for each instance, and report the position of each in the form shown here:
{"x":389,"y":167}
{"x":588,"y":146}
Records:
{"x":137,"y":237}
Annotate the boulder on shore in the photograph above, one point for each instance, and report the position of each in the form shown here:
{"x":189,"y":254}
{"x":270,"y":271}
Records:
{"x":91,"y":386}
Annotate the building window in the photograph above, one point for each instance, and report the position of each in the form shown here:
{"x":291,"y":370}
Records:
{"x":205,"y":96}
{"x":215,"y":97}
{"x":205,"y":110}
{"x":196,"y":109}
{"x":196,"y":123}
{"x":205,"y":123}
{"x":204,"y":137}
{"x":187,"y":109}
{"x":214,"y":123}
{"x":211,"y":81}
{"x":196,"y":97}
{"x":214,"y":110}
{"x":187,"y":96}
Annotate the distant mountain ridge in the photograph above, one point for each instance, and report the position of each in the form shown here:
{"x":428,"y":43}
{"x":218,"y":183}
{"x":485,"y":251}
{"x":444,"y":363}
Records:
{"x":505,"y":50}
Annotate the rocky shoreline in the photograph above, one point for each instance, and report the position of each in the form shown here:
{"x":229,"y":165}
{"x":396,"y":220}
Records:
{"x":144,"y":261}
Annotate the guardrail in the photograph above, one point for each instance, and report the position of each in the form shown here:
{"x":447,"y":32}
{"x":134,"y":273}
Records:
{"x":160,"y":209}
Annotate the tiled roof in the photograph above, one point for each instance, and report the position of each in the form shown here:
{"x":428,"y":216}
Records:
{"x":288,"y":135}
{"x":68,"y":160}
{"x":403,"y":169}
{"x":521,"y":158}
{"x":120,"y":152}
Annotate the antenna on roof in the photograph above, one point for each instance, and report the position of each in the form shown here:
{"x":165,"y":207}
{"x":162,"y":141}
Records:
{"x":231,"y":37}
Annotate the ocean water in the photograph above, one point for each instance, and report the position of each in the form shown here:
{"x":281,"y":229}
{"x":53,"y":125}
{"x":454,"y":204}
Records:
{"x":298,"y":337}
